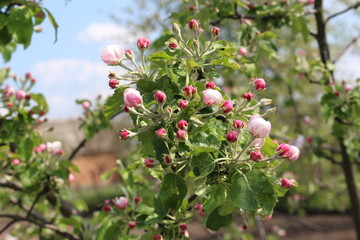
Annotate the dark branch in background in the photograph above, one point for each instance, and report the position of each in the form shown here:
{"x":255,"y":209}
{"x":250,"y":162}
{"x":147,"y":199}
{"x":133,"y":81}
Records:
{"x":353,"y":41}
{"x":11,"y":185}
{"x":355,"y":6}
{"x":16,"y":218}
{"x":310,"y":79}
{"x":84,"y":141}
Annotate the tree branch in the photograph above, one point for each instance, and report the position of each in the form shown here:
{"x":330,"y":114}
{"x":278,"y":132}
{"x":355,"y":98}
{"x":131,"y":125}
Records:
{"x":355,"y":6}
{"x":347,"y":47}
{"x":6,"y":184}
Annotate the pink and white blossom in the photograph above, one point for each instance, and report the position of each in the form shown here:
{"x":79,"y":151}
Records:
{"x":121,"y":203}
{"x":259,"y":127}
{"x":212,"y":97}
{"x":289,"y":152}
{"x":132,"y":97}
{"x":112,"y":54}
{"x":227,"y":106}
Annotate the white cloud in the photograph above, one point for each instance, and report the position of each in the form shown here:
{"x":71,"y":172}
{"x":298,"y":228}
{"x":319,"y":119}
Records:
{"x":109,"y":32}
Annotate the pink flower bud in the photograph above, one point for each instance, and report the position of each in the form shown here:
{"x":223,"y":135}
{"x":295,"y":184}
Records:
{"x":347,"y":88}
{"x":256,"y":156}
{"x":210,"y":85}
{"x":183,"y":226}
{"x":268,"y":218}
{"x":286,"y":183}
{"x":238,"y":124}
{"x":21,"y":94}
{"x":137,"y":199}
{"x":302,"y":52}
{"x":227,"y":106}
{"x":172,"y":46}
{"x":112,"y":54}
{"x":182,"y":124}
{"x":9,"y":91}
{"x":259,"y":127}
{"x":215,"y":31}
{"x":121,"y":203}
{"x":193,"y":24}
{"x":33,"y":80}
{"x":28,"y":75}
{"x":86,"y":105}
{"x":200,"y":209}
{"x":42,"y":147}
{"x":28,"y":97}
{"x":288,"y":151}
{"x":107,"y":208}
{"x":250,"y":6}
{"x":167,"y":159}
{"x":113,"y":83}
{"x":232,"y":136}
{"x":158,"y":237}
{"x":132,"y":97}
{"x":161,"y":133}
{"x":260,"y":84}
{"x":71,"y":177}
{"x":189,"y":90}
{"x":15,"y":162}
{"x":181,"y":134}
{"x":129,"y":54}
{"x":143,"y":43}
{"x":107,"y":202}
{"x":150,"y":163}
{"x":185,"y":234}
{"x":192,"y":8}
{"x":183,"y":104}
{"x":132,"y":224}
{"x":242,"y":51}
{"x":337,"y":93}
{"x":160,"y":96}
{"x":212,"y":97}
{"x":248,"y":96}
{"x":10,"y":105}
{"x":125,"y":134}
{"x":244,"y":227}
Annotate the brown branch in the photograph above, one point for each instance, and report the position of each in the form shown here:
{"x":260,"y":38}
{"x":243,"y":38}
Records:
{"x":310,"y":79}
{"x":347,"y":47}
{"x":11,"y":185}
{"x":355,"y":6}
{"x":17,"y":218}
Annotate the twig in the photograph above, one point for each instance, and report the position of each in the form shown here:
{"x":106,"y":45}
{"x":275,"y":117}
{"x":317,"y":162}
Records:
{"x":355,"y":6}
{"x":6,"y":184}
{"x":7,"y":226}
{"x":310,"y":79}
{"x":347,"y":47}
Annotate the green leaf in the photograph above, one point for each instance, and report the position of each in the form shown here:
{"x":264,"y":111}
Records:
{"x":216,"y":221}
{"x":53,"y":22}
{"x":203,"y":142}
{"x":269,"y":147}
{"x":159,"y":56}
{"x":172,"y":191}
{"x":242,"y":195}
{"x":41,"y":101}
{"x":114,"y":103}
{"x":113,"y":232}
{"x":20,"y":25}
{"x":226,"y":61}
{"x":226,"y":208}
{"x":202,"y":164}
{"x":216,"y":197}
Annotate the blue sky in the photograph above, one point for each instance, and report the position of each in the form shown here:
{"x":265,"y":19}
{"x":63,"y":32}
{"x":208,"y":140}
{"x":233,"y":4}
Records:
{"x":72,"y":67}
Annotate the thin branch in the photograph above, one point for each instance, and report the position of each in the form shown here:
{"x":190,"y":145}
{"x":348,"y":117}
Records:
{"x":7,"y":226}
{"x":310,"y":79}
{"x":355,"y":6}
{"x":347,"y":47}
{"x":6,"y":184}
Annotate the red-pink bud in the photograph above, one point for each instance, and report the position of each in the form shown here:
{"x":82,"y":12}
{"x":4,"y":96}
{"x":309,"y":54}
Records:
{"x":150,"y":163}
{"x":193,"y":24}
{"x":200,"y":209}
{"x":183,"y":226}
{"x":248,"y":96}
{"x":125,"y":134}
{"x":158,"y":237}
{"x":31,"y":112}
{"x":215,"y":31}
{"x":161,"y":133}
{"x":167,"y":159}
{"x":181,"y":134}
{"x":250,"y":6}
{"x":288,"y":151}
{"x":143,"y":43}
{"x":15,"y":162}
{"x":268,"y":218}
{"x":71,"y":177}
{"x":21,"y":94}
{"x":107,"y":202}
{"x":212,"y":97}
{"x":183,"y":104}
{"x":259,"y":127}
{"x":211,"y":85}
{"x":256,"y":156}
{"x":112,"y":54}
{"x":86,"y":105}
{"x":189,"y":90}
{"x":28,"y":75}
{"x":337,"y":93}
{"x":232,"y":136}
{"x":260,"y":84}
{"x":172,"y":46}
{"x":137,"y":199}
{"x":107,"y":208}
{"x":244,"y":227}
{"x":311,"y":1}
{"x":27,"y":97}
{"x":182,"y":124}
{"x":160,"y":96}
{"x":113,"y":83}
{"x":238,"y":124}
{"x":227,"y":106}
{"x":286,"y":183}
{"x":129,"y":54}
{"x":33,"y":80}
{"x":242,"y":51}
{"x":9,"y":91}
{"x":132,"y":224}
{"x":347,"y":88}
{"x":121,"y":203}
{"x":192,"y":8}
{"x":132,"y":97}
